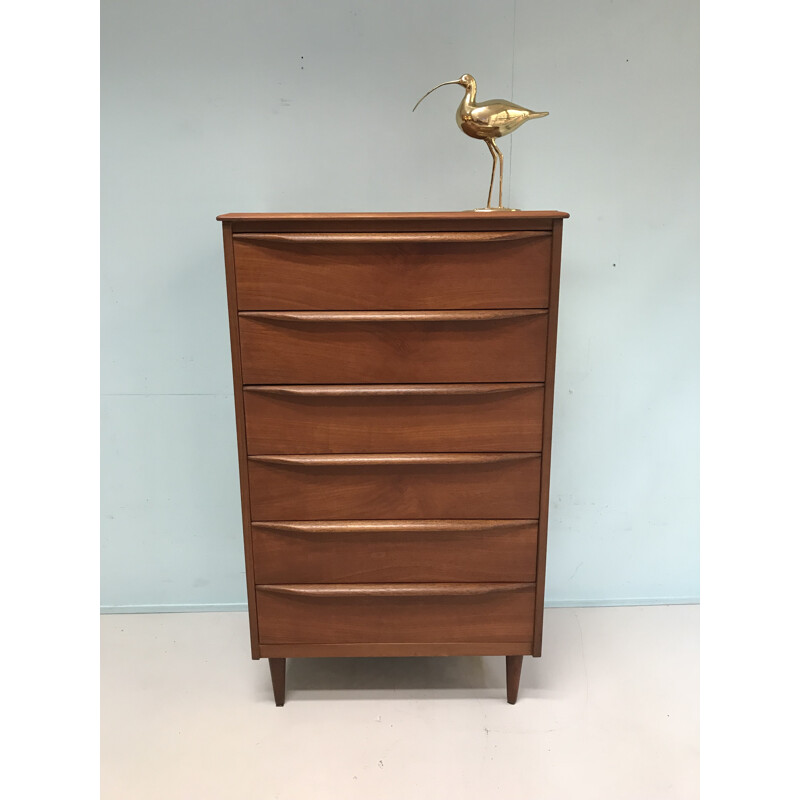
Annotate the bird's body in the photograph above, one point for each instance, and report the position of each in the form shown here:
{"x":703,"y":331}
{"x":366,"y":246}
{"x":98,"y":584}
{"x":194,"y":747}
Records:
{"x":488,"y":121}
{"x":492,"y":119}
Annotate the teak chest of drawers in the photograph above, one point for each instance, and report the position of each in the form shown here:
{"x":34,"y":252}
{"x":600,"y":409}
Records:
{"x":393,"y":381}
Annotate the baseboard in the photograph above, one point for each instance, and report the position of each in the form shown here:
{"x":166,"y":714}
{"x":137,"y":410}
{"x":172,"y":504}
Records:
{"x":177,"y":608}
{"x":173,"y":608}
{"x":623,"y":601}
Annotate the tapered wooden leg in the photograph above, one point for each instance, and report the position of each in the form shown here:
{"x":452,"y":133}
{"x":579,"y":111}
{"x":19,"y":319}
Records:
{"x":513,"y":671}
{"x":277,"y":669}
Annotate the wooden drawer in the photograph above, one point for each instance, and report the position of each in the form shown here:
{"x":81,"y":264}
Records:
{"x":393,"y":347}
{"x":471,"y":269}
{"x":394,"y":551}
{"x":443,"y":612}
{"x":413,"y":486}
{"x":392,"y":418}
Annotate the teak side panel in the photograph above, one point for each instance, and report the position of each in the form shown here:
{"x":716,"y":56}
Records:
{"x":392,"y":271}
{"x":432,"y":613}
{"x":404,"y":418}
{"x":396,"y":551}
{"x":552,"y":331}
{"x":500,"y":489}
{"x":244,"y":484}
{"x":318,"y":348}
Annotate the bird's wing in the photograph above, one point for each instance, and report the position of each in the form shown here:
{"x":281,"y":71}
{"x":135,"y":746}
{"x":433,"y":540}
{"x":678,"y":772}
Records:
{"x":493,"y":112}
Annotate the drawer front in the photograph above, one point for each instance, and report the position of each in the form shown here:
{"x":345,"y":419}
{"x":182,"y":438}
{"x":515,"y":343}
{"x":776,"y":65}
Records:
{"x":393,"y":347}
{"x":396,"y":551}
{"x":431,"y":486}
{"x":477,"y":269}
{"x":445,"y":612}
{"x":381,"y":418}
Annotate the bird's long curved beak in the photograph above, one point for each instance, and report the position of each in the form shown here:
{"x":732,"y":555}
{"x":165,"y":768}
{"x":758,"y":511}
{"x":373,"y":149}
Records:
{"x":432,"y":90}
{"x":537,"y":114}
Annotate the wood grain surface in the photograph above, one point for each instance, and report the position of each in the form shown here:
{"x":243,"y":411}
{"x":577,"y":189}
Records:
{"x":484,"y":269}
{"x":395,"y":551}
{"x":513,"y":672}
{"x":376,"y":222}
{"x":447,"y":347}
{"x":461,"y":486}
{"x":386,"y":418}
{"x":395,"y":649}
{"x":241,"y":437}
{"x":277,"y":669}
{"x":394,"y":386}
{"x":547,"y":438}
{"x":379,"y":613}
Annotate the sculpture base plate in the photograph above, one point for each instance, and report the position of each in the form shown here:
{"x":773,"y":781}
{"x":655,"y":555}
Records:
{"x":495,"y":208}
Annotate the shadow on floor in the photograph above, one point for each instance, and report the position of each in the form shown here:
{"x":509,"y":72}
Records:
{"x":420,"y":676}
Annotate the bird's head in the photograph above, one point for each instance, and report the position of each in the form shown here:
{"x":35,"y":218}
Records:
{"x":466,"y":80}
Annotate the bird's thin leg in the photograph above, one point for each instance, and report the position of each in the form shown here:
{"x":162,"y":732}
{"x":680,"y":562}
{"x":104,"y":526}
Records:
{"x":497,"y":150}
{"x":489,"y":143}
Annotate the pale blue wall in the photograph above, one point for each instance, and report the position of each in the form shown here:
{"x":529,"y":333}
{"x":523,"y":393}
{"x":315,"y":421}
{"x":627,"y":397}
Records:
{"x":300,"y":105}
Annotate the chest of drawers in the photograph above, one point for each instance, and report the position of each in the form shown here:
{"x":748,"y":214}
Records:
{"x":393,"y":383}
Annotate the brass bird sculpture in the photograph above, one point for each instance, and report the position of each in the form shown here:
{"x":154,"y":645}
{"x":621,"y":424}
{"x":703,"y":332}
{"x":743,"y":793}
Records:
{"x":488,"y":121}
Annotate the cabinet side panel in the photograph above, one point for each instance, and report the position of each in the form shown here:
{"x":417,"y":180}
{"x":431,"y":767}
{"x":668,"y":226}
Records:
{"x":547,"y":430}
{"x":244,"y":481}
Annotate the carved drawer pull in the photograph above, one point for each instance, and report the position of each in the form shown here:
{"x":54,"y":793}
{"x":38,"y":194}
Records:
{"x":390,"y":316}
{"x":465,"y":237}
{"x":393,"y":459}
{"x":393,"y":389}
{"x":394,"y":589}
{"x":396,"y":526}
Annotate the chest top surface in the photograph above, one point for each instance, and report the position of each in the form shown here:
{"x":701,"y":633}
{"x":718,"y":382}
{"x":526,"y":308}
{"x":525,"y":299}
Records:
{"x":391,"y":221}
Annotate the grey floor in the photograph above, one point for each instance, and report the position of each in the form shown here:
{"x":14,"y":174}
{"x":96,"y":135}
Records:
{"x":610,"y":712}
